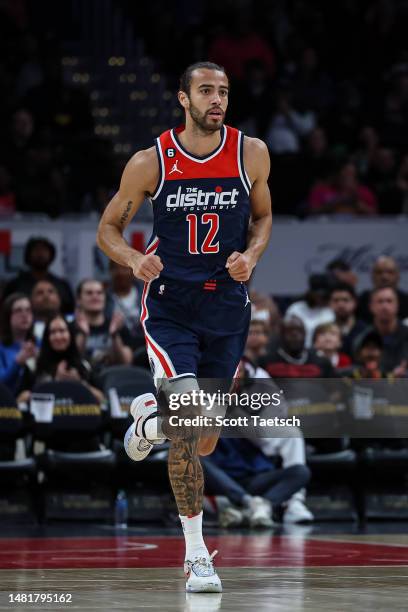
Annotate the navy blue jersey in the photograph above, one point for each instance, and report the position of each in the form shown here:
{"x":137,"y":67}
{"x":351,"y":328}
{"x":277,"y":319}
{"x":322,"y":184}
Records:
{"x":201,"y":207}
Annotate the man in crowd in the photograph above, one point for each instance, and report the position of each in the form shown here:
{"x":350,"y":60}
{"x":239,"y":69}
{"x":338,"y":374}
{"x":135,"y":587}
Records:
{"x":385,"y":273}
{"x":340,"y":271}
{"x":45,"y":302}
{"x":123,"y":296}
{"x":343,"y":302}
{"x":241,"y":471}
{"x":384,"y":309}
{"x":257,"y":341}
{"x":291,"y":359}
{"x":313,"y":310}
{"x":103,"y":341}
{"x":38,"y":256}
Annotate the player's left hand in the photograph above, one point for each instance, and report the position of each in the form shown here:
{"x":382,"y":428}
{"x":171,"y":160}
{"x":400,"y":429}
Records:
{"x":240,"y":266}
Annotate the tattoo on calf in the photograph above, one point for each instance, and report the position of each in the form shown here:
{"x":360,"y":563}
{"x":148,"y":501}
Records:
{"x":186,"y":475}
{"x":125,"y":213}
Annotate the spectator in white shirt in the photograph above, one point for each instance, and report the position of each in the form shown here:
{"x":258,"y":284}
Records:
{"x":313,"y":309}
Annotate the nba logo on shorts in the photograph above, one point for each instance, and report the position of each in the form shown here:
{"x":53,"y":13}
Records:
{"x":161,"y":289}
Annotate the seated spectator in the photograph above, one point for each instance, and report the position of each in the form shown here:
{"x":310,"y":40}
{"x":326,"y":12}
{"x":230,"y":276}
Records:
{"x":343,"y":302}
{"x":291,"y":359}
{"x":327,"y":343}
{"x":340,"y":271}
{"x":234,"y":47}
{"x":240,"y":470}
{"x":101,"y":340}
{"x":369,"y":141}
{"x":257,"y":341}
{"x":58,"y":360}
{"x":342,"y":194}
{"x":315,"y":160}
{"x":123,"y":296}
{"x":17,"y":346}
{"x":385,"y":273}
{"x":46,"y":303}
{"x":381,"y":178}
{"x":313,"y":309}
{"x":384,"y":308}
{"x":38,"y":257}
{"x":289,"y":125}
{"x":16,"y":142}
{"x":264,"y":308}
{"x":367,"y":356}
{"x":290,"y":448}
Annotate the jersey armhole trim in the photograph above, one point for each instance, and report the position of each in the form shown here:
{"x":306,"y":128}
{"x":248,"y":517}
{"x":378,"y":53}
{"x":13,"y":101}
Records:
{"x":242,"y":172}
{"x":161,"y":170}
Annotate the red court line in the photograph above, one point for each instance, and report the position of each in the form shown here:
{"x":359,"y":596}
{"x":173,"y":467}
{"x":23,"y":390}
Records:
{"x":234,"y":551}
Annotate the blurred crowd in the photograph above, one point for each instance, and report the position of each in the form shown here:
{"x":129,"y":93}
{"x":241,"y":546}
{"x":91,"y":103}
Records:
{"x":326,"y":86}
{"x":51,"y":162}
{"x":52,"y":332}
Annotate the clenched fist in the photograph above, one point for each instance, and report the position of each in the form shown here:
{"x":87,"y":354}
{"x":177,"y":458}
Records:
{"x":146,"y":267}
{"x":240,"y":266}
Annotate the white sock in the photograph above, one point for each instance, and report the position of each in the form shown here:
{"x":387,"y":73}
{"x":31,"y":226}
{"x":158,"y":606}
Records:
{"x":153,"y":429}
{"x":193,"y":535}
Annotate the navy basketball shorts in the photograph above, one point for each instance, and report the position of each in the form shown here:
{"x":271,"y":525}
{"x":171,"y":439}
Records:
{"x":195,"y":328}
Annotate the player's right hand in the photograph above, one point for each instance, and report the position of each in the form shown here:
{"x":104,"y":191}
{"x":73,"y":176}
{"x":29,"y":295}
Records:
{"x":146,"y":267}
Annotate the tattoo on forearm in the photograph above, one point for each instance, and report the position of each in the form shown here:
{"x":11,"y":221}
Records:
{"x":186,"y":475}
{"x":124,"y":216}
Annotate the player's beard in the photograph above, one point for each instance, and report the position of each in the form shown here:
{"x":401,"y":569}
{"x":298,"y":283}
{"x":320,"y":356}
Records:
{"x":202,"y":122}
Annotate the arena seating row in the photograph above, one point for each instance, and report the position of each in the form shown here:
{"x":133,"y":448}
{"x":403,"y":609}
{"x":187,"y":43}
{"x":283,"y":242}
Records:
{"x":81,"y":462}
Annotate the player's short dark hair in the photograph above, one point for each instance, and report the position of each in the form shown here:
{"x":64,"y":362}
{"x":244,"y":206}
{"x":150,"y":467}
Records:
{"x":186,"y":77}
{"x":343,"y":287}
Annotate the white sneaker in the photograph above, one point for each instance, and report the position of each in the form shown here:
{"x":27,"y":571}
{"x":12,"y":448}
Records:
{"x":259,"y":513}
{"x":230,"y":517}
{"x":201,"y":575}
{"x":136,"y":445}
{"x":296,"y":512}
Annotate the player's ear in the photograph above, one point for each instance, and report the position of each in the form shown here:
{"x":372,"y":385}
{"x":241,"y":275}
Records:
{"x":183,"y":99}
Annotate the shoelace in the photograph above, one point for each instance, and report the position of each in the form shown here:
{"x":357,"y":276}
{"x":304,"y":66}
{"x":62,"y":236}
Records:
{"x":203,"y":566}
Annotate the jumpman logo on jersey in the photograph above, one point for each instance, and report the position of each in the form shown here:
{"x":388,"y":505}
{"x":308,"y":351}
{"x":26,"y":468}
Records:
{"x":175,"y":168}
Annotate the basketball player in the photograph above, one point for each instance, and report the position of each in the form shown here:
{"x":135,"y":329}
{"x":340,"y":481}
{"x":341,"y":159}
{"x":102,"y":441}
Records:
{"x":212,"y":219}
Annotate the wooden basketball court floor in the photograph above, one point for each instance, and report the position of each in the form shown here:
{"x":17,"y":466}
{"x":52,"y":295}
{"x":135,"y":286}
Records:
{"x":301,"y":571}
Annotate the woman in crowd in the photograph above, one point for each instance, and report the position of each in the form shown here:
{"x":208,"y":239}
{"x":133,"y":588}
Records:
{"x":17,"y":346}
{"x":58,"y":360}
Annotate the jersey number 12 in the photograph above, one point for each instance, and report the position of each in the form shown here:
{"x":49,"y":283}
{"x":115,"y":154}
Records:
{"x":208,"y":245}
